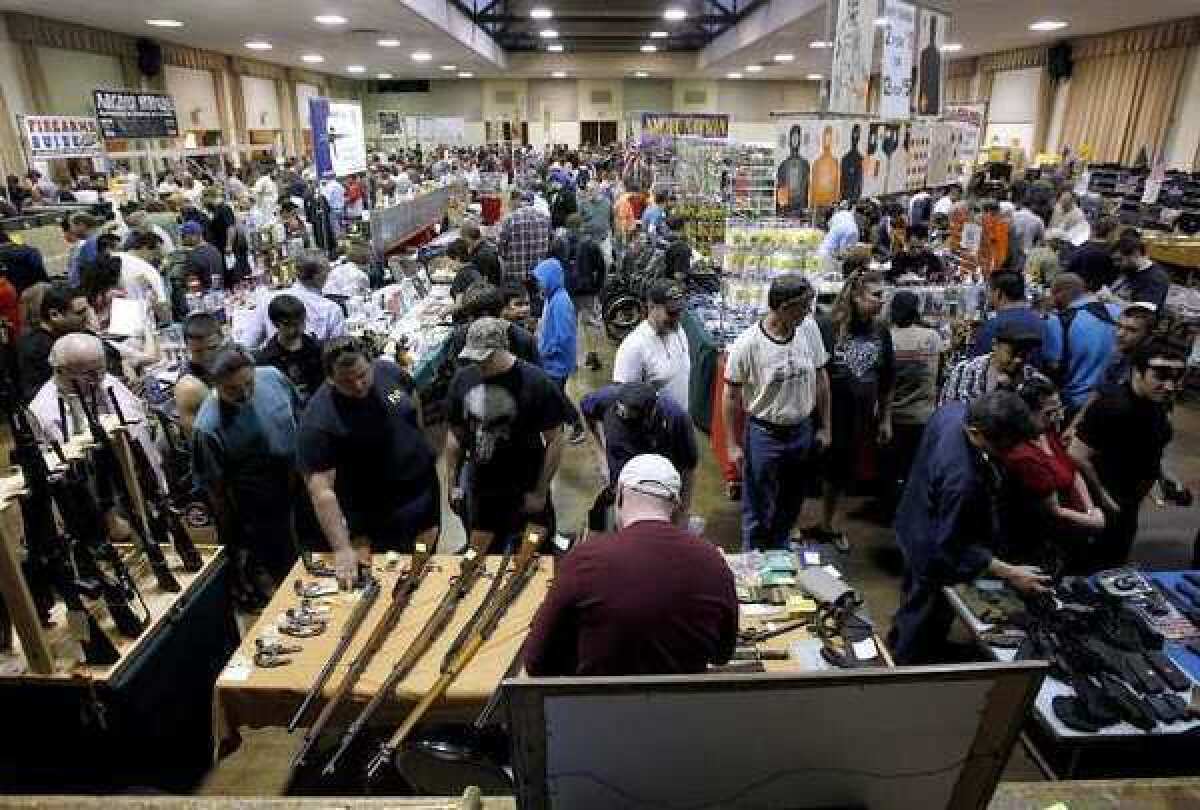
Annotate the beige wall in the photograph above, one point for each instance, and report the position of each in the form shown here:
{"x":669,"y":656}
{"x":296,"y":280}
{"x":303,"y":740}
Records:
{"x":71,"y":76}
{"x":1013,"y":109}
{"x":261,"y":103}
{"x":599,"y":110}
{"x":696,"y":89}
{"x":195,"y":97}
{"x":1183,"y":135}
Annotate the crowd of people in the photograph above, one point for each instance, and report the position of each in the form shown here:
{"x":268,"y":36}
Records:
{"x":302,"y":439}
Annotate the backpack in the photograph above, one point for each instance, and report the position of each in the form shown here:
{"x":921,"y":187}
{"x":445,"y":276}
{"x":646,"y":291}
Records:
{"x":1097,"y":310}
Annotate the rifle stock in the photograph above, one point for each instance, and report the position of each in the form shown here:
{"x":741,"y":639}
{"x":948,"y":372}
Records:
{"x":406,"y":586}
{"x":109,"y":469}
{"x":472,"y":568}
{"x":477,"y":632}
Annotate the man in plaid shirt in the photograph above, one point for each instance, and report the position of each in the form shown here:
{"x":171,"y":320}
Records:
{"x":524,"y":239}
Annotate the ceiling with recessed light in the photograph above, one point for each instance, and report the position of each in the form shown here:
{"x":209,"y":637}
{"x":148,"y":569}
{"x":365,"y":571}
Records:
{"x":593,"y":39}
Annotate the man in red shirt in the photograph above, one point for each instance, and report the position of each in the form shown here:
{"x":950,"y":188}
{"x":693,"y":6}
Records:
{"x":651,"y":599}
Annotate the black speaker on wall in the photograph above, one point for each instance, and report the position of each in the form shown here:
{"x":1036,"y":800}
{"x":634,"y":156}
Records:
{"x":149,"y":57}
{"x":400,"y":86}
{"x":1058,"y":61}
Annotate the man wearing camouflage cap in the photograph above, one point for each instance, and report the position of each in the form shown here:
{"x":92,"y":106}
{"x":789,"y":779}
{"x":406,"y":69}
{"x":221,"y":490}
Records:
{"x":506,"y":420}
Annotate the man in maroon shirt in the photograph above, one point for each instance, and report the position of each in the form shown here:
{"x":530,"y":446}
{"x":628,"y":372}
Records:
{"x":651,"y":599}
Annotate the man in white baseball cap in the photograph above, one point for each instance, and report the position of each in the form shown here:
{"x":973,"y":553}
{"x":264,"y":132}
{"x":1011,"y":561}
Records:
{"x":652,"y":599}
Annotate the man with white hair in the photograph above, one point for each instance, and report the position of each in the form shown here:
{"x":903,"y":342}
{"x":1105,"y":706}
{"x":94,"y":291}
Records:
{"x":78,"y":358}
{"x":652,"y":599}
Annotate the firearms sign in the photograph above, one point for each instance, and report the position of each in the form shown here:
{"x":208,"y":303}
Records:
{"x":125,"y":114}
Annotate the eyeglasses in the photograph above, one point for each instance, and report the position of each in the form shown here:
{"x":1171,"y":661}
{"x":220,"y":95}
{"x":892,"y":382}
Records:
{"x":1168,"y":373}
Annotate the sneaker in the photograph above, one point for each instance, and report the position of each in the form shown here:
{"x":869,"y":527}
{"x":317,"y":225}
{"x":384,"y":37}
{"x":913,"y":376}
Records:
{"x":577,"y":435}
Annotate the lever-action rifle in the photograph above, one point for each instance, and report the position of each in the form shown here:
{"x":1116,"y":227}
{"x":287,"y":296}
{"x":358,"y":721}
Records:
{"x":49,"y":554}
{"x":473,"y":567}
{"x":402,"y":593}
{"x":164,"y":522}
{"x":111,"y":484}
{"x":479,"y":629}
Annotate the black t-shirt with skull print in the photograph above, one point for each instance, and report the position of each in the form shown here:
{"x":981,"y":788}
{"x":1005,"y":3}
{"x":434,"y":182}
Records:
{"x":500,"y":421}
{"x":381,"y":455}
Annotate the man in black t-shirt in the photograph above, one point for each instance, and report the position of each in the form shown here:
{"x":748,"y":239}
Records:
{"x":506,"y":419}
{"x":364,"y":456}
{"x":485,"y":300}
{"x":221,"y":229}
{"x":1119,"y":445}
{"x":290,"y":349}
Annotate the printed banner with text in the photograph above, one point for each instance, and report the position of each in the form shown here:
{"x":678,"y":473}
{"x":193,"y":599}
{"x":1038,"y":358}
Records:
{"x":124,"y":114}
{"x":661,"y":127}
{"x":61,"y":136}
{"x":896,"y":83}
{"x":853,"y":45}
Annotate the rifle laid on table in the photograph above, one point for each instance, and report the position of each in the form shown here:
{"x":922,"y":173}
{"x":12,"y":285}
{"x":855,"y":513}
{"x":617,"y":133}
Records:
{"x":472,"y":568}
{"x":162,"y":520}
{"x":49,"y":562}
{"x":110,"y":481}
{"x":402,"y":594}
{"x":468,"y":644}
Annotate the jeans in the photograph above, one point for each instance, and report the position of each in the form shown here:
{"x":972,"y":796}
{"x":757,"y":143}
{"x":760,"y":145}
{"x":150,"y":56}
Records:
{"x":922,"y":622}
{"x":776,"y":466}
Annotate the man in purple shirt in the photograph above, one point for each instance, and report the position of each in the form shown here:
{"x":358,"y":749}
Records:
{"x":651,"y":599}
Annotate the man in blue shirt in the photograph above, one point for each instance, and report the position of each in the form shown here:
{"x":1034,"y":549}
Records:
{"x":843,"y":233}
{"x":629,"y":419}
{"x":1006,"y":293}
{"x":1079,"y":341}
{"x":655,"y":213}
{"x":243,"y":457}
{"x":948,"y":524}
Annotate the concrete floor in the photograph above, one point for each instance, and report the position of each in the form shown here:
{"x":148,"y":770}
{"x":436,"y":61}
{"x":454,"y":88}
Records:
{"x":1165,"y":542}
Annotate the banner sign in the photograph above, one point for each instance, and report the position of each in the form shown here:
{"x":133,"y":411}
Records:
{"x":339,"y":145}
{"x":661,"y":127}
{"x":61,"y":136}
{"x":126,"y":114}
{"x":896,"y":84}
{"x":853,"y":45}
{"x":931,"y":70}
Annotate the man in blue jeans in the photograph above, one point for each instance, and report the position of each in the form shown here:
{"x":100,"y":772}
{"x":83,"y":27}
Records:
{"x":775,"y":375}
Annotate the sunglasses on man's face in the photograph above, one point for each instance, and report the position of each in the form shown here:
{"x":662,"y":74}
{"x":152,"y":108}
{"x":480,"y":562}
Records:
{"x":1172,"y":374}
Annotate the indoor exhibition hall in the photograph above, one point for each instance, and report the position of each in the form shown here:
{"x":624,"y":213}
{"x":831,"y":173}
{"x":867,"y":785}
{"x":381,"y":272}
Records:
{"x":574,"y":405}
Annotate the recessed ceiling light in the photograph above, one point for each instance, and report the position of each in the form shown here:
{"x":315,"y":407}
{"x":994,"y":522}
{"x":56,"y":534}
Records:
{"x":388,"y":43}
{"x":383,"y":75}
{"x":754,"y":68}
{"x":820,"y":43}
{"x":355,"y":69}
{"x":329,"y":19}
{"x":255,"y":45}
{"x":548,"y":33}
{"x":466,"y":75}
{"x":952,"y":47}
{"x":541,"y":13}
{"x":641,"y":74}
{"x":449,"y":67}
{"x":1047,"y":25}
{"x":559,"y":74}
{"x":165,"y":23}
{"x":785,"y":57}
{"x":312,"y":58}
{"x":648,"y":48}
{"x":421,"y":56}
{"x":814,"y":77}
{"x":733,"y":75}
{"x":555,"y":48}
{"x":881,"y":20}
{"x":674,"y":14}
{"x":659,"y":35}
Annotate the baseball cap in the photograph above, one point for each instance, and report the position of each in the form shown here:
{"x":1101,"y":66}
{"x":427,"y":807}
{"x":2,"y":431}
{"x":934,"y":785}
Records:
{"x":634,"y":399}
{"x":191,"y":229}
{"x":485,"y":336}
{"x":667,"y":293}
{"x":1018,"y":335}
{"x":651,"y":474}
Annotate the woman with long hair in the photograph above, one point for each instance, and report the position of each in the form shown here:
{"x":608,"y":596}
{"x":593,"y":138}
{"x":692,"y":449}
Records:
{"x":861,"y":374}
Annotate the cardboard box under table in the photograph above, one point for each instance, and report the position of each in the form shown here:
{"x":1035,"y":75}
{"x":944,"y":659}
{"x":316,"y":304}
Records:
{"x":253,"y":697}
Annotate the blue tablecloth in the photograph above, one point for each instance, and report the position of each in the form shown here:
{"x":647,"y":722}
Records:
{"x":1187,"y":660}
